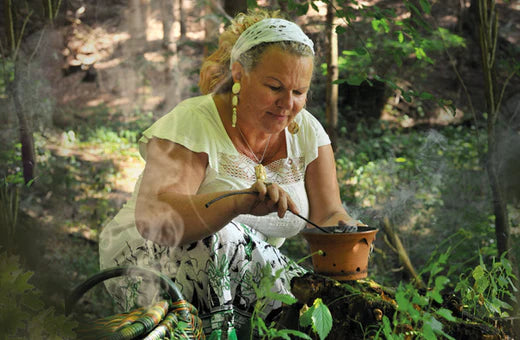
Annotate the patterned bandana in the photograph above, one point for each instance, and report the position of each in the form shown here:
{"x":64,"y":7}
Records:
{"x":269,"y":30}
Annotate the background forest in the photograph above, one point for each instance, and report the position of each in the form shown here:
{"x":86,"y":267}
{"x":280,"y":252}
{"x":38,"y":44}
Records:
{"x":425,"y":124}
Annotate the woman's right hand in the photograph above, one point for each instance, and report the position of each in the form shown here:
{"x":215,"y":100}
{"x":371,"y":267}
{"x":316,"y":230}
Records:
{"x":270,"y":198}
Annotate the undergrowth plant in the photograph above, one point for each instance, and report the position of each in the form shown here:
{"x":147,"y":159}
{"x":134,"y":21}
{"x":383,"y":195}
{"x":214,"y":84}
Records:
{"x":415,"y":314}
{"x":482,"y":291}
{"x":317,"y":316}
{"x":484,"y":288}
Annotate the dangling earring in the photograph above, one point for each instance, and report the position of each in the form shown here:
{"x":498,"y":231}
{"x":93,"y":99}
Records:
{"x":234,"y":102}
{"x":293,"y":127}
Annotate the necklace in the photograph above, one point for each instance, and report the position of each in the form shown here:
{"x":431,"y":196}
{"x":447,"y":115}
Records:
{"x":260,"y":173}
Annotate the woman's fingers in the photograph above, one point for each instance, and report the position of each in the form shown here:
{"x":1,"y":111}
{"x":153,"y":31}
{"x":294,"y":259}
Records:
{"x":282,"y":205}
{"x":261,"y":188}
{"x":274,"y":198}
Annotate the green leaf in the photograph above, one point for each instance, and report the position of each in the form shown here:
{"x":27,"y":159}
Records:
{"x":315,"y":7}
{"x":425,"y":5}
{"x":321,"y":319}
{"x":285,"y":298}
{"x":380,"y":25}
{"x":302,"y":9}
{"x":400,"y":36}
{"x":419,"y":53}
{"x":293,"y":332}
{"x":356,"y":79}
{"x":252,"y":4}
{"x":426,"y":95}
{"x":446,"y":314}
{"x":339,"y":81}
{"x":306,"y":317}
{"x":360,"y":51}
{"x":406,"y":96}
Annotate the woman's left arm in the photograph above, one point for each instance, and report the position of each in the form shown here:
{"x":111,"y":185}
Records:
{"x":321,"y":184}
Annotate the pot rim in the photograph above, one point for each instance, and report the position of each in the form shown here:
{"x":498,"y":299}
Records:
{"x":361,"y":230}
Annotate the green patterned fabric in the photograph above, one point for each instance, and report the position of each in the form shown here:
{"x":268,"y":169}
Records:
{"x":162,"y":320}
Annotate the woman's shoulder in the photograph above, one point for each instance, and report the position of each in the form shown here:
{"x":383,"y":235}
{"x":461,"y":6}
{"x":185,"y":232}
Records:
{"x":309,"y":124}
{"x":309,"y":138}
{"x":203,"y":104}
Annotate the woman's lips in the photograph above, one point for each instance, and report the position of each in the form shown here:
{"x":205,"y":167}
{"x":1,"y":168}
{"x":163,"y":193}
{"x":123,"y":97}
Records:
{"x":280,"y":117}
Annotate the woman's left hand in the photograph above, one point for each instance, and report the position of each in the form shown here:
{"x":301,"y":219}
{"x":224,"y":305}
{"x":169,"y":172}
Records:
{"x":351,"y":222}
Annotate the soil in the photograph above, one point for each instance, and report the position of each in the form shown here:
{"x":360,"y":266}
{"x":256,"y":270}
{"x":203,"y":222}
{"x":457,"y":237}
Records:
{"x":106,"y":61}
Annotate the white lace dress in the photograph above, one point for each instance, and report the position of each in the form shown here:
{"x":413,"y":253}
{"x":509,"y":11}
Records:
{"x":216,"y":274}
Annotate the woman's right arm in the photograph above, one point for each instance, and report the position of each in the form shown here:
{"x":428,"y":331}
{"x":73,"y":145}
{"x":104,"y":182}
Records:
{"x":168,"y":210}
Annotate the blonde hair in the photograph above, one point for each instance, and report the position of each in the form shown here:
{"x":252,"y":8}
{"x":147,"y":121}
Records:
{"x":215,"y":74}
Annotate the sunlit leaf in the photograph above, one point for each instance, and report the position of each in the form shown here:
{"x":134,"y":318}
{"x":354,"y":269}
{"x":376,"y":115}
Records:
{"x":321,"y":319}
{"x":400,"y":36}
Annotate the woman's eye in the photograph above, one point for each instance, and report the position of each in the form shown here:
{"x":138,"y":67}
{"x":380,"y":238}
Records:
{"x":274,"y":88}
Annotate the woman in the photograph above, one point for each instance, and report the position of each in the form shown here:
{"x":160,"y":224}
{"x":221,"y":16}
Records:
{"x":249,"y":132}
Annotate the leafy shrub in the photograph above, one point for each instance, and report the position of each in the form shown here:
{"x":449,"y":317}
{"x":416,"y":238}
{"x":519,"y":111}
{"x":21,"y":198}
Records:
{"x":23,"y":315}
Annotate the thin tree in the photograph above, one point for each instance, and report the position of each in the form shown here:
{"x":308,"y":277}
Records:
{"x":167,"y":19}
{"x":331,"y":111}
{"x":488,"y":38}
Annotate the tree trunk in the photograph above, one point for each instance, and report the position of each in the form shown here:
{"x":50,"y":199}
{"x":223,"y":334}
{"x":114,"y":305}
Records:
{"x":488,"y":33}
{"x":26,"y":136}
{"x":182,"y":23}
{"x":397,"y":246}
{"x":167,"y":18}
{"x":332,"y":75}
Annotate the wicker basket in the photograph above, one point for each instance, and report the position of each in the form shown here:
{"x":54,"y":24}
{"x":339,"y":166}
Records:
{"x":173,"y":318}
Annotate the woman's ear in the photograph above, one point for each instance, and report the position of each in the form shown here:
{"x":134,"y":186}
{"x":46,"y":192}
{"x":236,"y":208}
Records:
{"x":237,"y":71}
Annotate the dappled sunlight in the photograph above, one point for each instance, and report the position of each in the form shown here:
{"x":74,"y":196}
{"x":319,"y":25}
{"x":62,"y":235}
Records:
{"x":154,"y":30}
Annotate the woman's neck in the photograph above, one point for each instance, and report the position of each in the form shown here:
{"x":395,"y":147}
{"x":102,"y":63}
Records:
{"x":244,"y":136}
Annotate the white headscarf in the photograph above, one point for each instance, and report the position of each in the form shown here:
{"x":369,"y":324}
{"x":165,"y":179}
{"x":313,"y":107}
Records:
{"x":269,"y":30}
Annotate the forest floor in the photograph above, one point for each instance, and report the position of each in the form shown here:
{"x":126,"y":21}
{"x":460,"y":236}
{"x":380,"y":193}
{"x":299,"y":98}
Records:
{"x":125,"y":80}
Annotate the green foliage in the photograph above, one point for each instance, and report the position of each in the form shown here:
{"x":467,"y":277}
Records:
{"x":380,"y":55}
{"x":484,"y":289}
{"x":318,"y":317}
{"x":429,"y":182}
{"x":23,"y":315}
{"x":415,"y":311}
{"x":11,"y":158}
{"x":264,"y":294}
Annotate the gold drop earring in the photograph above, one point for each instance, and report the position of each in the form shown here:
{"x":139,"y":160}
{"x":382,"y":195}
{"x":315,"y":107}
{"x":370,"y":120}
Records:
{"x":293,"y":127}
{"x":234,"y":102}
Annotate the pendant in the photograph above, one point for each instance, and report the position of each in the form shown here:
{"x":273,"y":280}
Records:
{"x":260,"y":173}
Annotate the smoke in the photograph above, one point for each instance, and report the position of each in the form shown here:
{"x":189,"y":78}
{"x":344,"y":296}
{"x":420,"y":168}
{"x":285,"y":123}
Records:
{"x":32,"y":85}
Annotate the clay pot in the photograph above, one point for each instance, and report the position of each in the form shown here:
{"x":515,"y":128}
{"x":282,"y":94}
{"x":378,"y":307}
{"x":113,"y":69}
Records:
{"x":345,"y":255}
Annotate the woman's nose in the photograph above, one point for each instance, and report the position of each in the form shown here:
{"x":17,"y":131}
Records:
{"x":286,"y":101}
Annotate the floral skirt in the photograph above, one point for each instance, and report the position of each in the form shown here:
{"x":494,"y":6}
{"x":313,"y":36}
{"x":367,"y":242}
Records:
{"x":218,"y":274}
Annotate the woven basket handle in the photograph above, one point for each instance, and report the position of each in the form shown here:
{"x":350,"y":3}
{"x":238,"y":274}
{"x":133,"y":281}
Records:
{"x":166,"y":283}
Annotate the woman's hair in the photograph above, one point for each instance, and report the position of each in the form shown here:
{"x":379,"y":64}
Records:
{"x":215,"y":73}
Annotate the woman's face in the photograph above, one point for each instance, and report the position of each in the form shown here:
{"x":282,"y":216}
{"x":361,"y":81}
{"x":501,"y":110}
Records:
{"x":274,"y":91}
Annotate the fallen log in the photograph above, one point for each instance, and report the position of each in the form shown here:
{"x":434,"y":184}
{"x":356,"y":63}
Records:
{"x":358,"y":308}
